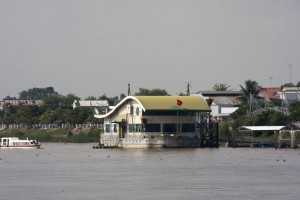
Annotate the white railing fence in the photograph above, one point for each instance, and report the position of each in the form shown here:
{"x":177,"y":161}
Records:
{"x":49,"y":126}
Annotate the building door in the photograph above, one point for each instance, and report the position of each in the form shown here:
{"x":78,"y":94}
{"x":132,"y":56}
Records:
{"x":120,"y":130}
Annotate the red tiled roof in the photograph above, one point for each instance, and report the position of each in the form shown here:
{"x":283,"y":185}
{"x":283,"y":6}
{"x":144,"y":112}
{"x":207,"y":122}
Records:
{"x":269,"y":92}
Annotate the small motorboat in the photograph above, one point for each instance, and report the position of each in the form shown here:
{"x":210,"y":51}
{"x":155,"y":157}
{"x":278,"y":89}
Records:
{"x":16,"y":143}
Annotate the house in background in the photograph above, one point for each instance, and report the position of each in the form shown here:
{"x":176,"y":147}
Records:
{"x":98,"y":105}
{"x":154,"y":121}
{"x":282,"y":95}
{"x":223,"y":103}
{"x":16,"y":102}
{"x":289,"y":94}
{"x":270,"y":93}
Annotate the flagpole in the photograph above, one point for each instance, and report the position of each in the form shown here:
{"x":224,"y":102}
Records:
{"x":177,"y":131}
{"x":179,"y":103}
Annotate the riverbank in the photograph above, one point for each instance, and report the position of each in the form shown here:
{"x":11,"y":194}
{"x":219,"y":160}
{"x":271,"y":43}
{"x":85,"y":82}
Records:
{"x":55,"y":135}
{"x":92,"y":135}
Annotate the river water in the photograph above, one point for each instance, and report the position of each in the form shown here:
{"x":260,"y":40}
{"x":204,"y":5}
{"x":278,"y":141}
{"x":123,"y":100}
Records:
{"x":76,"y":171}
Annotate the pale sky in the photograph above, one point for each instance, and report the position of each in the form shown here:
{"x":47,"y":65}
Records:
{"x":96,"y":47}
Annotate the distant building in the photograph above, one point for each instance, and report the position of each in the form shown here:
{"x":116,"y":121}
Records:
{"x":269,"y":93}
{"x":223,"y":103}
{"x":16,"y":102}
{"x":289,"y":94}
{"x":98,"y":105}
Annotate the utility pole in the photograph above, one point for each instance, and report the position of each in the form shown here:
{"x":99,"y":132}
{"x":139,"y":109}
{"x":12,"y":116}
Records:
{"x":271,"y":80}
{"x":128,"y":92}
{"x":290,"y":69}
{"x":188,"y":88}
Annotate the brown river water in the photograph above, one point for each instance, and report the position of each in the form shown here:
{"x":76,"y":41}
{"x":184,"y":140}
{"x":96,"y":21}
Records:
{"x":76,"y":171}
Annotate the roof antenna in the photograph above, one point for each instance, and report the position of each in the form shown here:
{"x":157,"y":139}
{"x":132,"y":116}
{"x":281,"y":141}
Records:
{"x":128,"y":92}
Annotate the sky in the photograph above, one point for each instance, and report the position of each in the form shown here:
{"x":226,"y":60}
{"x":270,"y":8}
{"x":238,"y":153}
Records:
{"x":96,"y":47}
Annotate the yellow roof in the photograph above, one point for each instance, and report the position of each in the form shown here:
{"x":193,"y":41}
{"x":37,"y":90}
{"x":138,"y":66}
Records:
{"x":193,"y":103}
{"x":188,"y":103}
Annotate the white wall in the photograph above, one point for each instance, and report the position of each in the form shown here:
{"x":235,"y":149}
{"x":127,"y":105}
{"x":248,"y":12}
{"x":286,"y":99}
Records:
{"x":228,"y":110}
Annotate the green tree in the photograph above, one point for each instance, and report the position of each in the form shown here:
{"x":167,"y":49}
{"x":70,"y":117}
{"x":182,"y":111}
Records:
{"x":10,"y":98}
{"x":111,"y":100}
{"x":50,"y":115}
{"x":57,"y":107}
{"x":122,"y":96}
{"x":182,"y":94}
{"x":79,"y":115}
{"x":51,"y":102}
{"x":67,"y":101}
{"x":153,"y":92}
{"x":269,"y":118}
{"x":220,"y":87}
{"x":294,"y":111}
{"x":288,"y":85}
{"x":91,"y":98}
{"x":239,"y":113}
{"x":37,"y":93}
{"x":27,"y":114}
{"x":251,"y":88}
{"x":9,"y":109}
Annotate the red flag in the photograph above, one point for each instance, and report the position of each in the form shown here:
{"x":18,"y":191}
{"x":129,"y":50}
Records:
{"x":179,"y":103}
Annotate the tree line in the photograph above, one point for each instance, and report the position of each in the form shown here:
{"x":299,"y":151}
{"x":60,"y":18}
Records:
{"x":57,"y":107}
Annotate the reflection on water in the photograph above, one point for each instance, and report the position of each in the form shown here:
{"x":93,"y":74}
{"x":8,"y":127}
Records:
{"x":76,"y":171}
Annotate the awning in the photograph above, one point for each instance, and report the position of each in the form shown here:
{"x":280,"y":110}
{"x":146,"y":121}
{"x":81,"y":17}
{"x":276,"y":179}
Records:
{"x":260,"y":128}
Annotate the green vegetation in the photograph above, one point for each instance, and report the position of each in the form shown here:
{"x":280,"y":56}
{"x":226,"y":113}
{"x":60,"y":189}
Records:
{"x":153,"y":92}
{"x":294,"y":110}
{"x":57,"y":107}
{"x":268,"y":117}
{"x":220,"y":87}
{"x":54,"y":135}
{"x":250,"y":88}
{"x":54,"y":108}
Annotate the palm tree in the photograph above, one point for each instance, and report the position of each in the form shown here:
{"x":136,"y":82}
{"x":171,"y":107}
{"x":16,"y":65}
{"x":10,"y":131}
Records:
{"x":251,"y":88}
{"x":220,"y":87}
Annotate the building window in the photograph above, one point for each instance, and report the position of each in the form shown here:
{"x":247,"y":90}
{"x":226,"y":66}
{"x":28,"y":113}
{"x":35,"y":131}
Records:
{"x":135,"y":128}
{"x":115,"y":128}
{"x":131,"y":128}
{"x":107,"y":128}
{"x":152,"y":128}
{"x":188,"y":128}
{"x":169,"y":113}
{"x":138,"y":128}
{"x":169,"y":128}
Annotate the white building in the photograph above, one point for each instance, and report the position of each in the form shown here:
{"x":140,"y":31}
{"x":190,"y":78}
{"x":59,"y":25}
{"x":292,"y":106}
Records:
{"x":223,"y":103}
{"x":289,"y":94}
{"x":98,"y":105}
{"x":16,"y":102}
{"x":154,"y":121}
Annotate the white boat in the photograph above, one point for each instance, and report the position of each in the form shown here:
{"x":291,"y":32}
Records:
{"x":16,"y":143}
